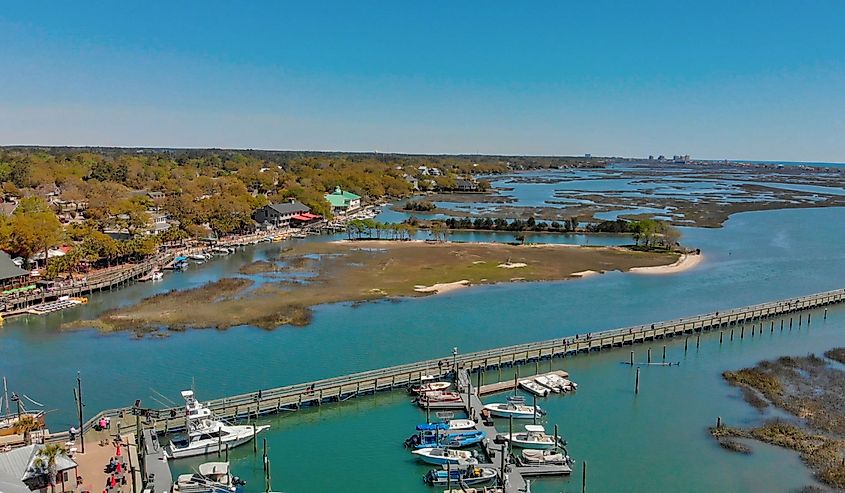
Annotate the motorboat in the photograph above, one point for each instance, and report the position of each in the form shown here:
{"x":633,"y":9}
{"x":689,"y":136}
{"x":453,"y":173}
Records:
{"x":469,"y":476}
{"x":198,"y":257}
{"x":155,"y":275}
{"x":547,"y":383}
{"x":436,"y":396}
{"x":534,"y":457}
{"x":439,"y":435}
{"x":438,"y":456}
{"x":516,"y":407}
{"x":205,"y":434}
{"x":461,"y":424}
{"x":430,"y":387}
{"x":534,"y":437}
{"x":211,"y":477}
{"x":484,"y":489}
{"x":534,"y":387}
{"x":564,"y":384}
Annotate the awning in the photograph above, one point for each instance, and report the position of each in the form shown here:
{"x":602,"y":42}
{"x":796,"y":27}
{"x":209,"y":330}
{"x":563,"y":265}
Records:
{"x":301,"y":217}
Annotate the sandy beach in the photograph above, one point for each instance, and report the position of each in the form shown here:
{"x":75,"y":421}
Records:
{"x":685,"y":262}
{"x":443,"y":287}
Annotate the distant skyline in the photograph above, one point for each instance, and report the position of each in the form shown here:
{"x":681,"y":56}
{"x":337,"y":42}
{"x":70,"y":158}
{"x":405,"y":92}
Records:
{"x":716,"y":80}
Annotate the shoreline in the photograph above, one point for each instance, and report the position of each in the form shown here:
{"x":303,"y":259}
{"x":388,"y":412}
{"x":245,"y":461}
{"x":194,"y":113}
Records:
{"x":685,"y":262}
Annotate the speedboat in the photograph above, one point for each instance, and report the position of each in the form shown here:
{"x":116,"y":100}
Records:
{"x":534,"y":387}
{"x":205,"y":434}
{"x":565,"y":384}
{"x":461,"y":424}
{"x":472,"y":475}
{"x":535,"y":457}
{"x":546,"y":382}
{"x":198,"y":256}
{"x":212,"y":477}
{"x":437,"y":396}
{"x":534,"y":437}
{"x":430,"y":387}
{"x":514,"y":407}
{"x":438,"y":435}
{"x":438,"y":456}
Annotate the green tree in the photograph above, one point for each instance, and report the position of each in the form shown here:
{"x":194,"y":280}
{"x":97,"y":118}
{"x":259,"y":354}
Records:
{"x":47,"y":458}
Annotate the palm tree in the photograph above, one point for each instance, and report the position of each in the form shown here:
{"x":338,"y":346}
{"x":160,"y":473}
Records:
{"x":25,"y":425}
{"x":46,"y":459}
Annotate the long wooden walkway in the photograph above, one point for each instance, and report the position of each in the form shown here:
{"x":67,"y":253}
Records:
{"x":293,"y":397}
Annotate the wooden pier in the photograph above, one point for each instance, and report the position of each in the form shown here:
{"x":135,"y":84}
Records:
{"x":293,"y":397}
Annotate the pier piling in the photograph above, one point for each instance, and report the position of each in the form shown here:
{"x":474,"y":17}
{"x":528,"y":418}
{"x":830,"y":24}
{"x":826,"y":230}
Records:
{"x":825,"y":314}
{"x":637,"y":383}
{"x":584,"y":478}
{"x":718,"y":421}
{"x":632,"y":358}
{"x":649,"y":356}
{"x":686,"y":343}
{"x":698,"y":340}
{"x":664,"y":352}
{"x":721,"y":335}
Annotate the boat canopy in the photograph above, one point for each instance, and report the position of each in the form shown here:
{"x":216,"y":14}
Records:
{"x":535,"y":428}
{"x":432,"y":426}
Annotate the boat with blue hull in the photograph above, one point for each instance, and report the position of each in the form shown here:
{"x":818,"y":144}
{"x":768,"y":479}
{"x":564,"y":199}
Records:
{"x":439,"y":435}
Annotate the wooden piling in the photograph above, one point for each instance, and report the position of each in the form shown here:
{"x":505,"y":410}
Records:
{"x":732,"y":334}
{"x":664,"y":352}
{"x":742,"y":332}
{"x":721,"y":335}
{"x":698,"y":340}
{"x":825,"y":314}
{"x":649,"y":355}
{"x":637,"y":383}
{"x":718,"y":421}
{"x":584,"y":478}
{"x":632,"y":358}
{"x":686,"y":343}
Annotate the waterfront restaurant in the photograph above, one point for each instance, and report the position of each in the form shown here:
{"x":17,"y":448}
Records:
{"x":280,"y":215}
{"x":343,"y":202}
{"x":11,"y":275}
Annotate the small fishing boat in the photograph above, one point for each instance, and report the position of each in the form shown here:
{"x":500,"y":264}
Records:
{"x":534,"y":437}
{"x":484,"y":489}
{"x":515,"y":406}
{"x":534,"y":387}
{"x":565,"y":384}
{"x":438,"y":435}
{"x":436,"y":396}
{"x":545,"y":382}
{"x":438,"y":456}
{"x":198,"y":257}
{"x":468,"y":476}
{"x":430,"y":387}
{"x":211,"y":477}
{"x":299,"y":235}
{"x":533,"y":457}
{"x":461,"y":424}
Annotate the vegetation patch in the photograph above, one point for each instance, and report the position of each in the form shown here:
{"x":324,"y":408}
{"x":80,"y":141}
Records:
{"x":813,"y":392}
{"x":360,"y":271}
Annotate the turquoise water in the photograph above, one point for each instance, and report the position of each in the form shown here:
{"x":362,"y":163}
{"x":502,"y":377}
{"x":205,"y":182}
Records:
{"x":656,"y":441}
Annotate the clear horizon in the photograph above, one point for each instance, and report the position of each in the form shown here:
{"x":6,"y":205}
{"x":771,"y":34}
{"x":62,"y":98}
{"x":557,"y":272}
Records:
{"x":716,"y":81}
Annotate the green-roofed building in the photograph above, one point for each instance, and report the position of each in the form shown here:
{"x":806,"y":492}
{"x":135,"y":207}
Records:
{"x":343,"y":202}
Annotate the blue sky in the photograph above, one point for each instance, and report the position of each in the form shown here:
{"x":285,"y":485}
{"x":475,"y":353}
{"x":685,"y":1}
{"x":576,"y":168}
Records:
{"x":745,"y":80}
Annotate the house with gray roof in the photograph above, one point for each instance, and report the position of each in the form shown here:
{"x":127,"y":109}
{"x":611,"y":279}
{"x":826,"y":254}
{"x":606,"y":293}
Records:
{"x":10,"y":274}
{"x":21,"y":471}
{"x":280,"y":215}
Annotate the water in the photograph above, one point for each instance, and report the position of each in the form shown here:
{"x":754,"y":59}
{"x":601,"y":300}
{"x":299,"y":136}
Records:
{"x":654,"y":442}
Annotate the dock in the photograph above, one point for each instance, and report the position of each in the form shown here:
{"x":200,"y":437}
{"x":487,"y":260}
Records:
{"x":499,"y":456}
{"x":157,"y":476}
{"x":248,"y":406}
{"x":505,"y":386}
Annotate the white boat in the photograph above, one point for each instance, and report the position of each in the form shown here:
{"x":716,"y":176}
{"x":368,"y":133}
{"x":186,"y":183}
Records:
{"x":206,"y":434}
{"x":212,"y":477}
{"x":534,"y":387}
{"x":197,"y":256}
{"x":534,"y":437}
{"x":514,"y":407}
{"x":532,"y":457}
{"x":547,"y":383}
{"x":445,"y":456}
{"x":461,"y":424}
{"x":564,"y":384}
{"x":156,"y":275}
{"x":437,"y":396}
{"x":431,"y":387}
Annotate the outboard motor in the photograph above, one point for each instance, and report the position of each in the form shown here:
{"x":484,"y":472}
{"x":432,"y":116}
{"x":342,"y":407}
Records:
{"x":412,"y":441}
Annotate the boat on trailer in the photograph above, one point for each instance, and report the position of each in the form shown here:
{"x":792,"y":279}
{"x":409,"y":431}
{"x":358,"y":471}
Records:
{"x":205,"y":434}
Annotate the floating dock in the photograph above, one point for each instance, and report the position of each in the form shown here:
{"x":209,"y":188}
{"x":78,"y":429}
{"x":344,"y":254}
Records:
{"x":53,"y":306}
